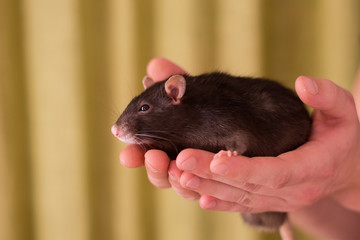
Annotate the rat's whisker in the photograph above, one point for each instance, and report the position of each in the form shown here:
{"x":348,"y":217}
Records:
{"x":151,"y":136}
{"x":156,"y":132}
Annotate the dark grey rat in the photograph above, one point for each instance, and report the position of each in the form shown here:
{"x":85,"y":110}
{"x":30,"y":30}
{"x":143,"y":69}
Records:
{"x":214,"y":112}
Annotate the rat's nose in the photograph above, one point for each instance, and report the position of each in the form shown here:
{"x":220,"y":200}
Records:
{"x":115,"y":130}
{"x":123,"y":134}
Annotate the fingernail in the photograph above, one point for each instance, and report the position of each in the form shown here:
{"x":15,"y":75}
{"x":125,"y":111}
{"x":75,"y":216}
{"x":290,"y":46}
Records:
{"x":189,"y":164}
{"x":311,"y":85}
{"x":221,"y":169}
{"x":193,"y":183}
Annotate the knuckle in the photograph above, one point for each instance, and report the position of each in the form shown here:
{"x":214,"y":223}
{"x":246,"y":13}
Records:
{"x":188,"y":195}
{"x":192,"y":197}
{"x":162,"y":184}
{"x":243,"y":199}
{"x":251,"y":187}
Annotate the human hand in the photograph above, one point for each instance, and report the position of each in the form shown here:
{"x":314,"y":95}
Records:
{"x":326,"y":166}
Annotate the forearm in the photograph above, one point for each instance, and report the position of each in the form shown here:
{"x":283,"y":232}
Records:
{"x":327,"y":219}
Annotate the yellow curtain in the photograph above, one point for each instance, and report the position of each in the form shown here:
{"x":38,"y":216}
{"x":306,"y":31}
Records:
{"x":69,"y":67}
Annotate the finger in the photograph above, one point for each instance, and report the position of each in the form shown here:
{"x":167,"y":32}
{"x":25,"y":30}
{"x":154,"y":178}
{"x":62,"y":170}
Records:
{"x":132,"y":156}
{"x":184,"y":193}
{"x":231,"y":194}
{"x":160,"y":69}
{"x":198,"y":162}
{"x":333,"y":101}
{"x":174,"y":177}
{"x":195,"y":161}
{"x":270,"y":175}
{"x":211,"y":203}
{"x":157,"y":163}
{"x":262,"y":175}
{"x":253,"y":173}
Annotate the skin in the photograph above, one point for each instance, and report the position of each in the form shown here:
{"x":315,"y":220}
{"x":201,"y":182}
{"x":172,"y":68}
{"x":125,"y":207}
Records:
{"x":318,"y":183}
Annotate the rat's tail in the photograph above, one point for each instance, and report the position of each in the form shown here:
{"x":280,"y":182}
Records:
{"x":286,"y":231}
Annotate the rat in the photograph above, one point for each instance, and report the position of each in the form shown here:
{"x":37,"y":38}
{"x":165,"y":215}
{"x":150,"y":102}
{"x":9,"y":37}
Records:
{"x":220,"y":113}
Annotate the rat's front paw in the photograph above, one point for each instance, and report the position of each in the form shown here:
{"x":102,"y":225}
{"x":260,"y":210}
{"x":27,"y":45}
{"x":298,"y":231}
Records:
{"x":228,"y":153}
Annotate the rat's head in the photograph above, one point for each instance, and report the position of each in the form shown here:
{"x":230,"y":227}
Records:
{"x":154,"y":119}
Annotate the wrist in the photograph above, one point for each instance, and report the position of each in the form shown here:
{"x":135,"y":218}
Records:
{"x":349,"y":196}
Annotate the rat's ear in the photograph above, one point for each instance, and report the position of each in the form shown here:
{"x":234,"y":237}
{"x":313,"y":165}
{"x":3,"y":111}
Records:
{"x":147,"y":82}
{"x":175,"y":88}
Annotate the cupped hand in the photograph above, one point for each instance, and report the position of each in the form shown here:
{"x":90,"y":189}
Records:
{"x":326,"y":166}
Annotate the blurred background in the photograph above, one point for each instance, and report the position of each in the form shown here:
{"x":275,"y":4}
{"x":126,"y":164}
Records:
{"x":69,"y":67}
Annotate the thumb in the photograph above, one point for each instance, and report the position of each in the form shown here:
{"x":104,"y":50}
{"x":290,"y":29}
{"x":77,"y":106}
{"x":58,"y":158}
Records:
{"x":160,"y":69}
{"x":324,"y":95}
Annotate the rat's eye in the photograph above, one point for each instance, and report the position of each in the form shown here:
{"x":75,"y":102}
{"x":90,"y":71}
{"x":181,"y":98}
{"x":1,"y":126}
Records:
{"x":144,"y":108}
